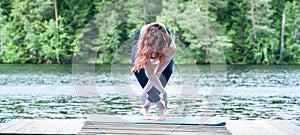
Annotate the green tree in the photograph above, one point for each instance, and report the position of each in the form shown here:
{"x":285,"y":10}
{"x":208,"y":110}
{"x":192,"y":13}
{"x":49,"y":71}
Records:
{"x":25,"y":26}
{"x":15,"y":49}
{"x":100,"y":38}
{"x":196,"y":27}
{"x":248,"y":24}
{"x":292,"y":32}
{"x":101,"y":31}
{"x":53,"y":39}
{"x":234,"y":18}
{"x":263,"y":37}
{"x":171,"y":13}
{"x":3,"y":31}
{"x":76,"y":15}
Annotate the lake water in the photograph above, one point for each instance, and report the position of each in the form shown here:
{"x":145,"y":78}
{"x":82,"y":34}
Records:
{"x":71,"y":91}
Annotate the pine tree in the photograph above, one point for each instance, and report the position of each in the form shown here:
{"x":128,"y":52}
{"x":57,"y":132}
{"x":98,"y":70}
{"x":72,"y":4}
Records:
{"x":3,"y":31}
{"x":100,"y":38}
{"x":52,"y":41}
{"x":199,"y":29}
{"x":24,"y":29}
{"x":74,"y":16}
{"x":171,"y":12}
{"x":263,"y":37}
{"x":292,"y":32}
{"x":234,"y":19}
{"x":15,"y":49}
{"x":142,"y":12}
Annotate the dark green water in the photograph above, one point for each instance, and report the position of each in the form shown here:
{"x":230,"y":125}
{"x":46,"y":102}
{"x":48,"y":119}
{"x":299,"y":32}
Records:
{"x":105,"y":75}
{"x":248,"y":92}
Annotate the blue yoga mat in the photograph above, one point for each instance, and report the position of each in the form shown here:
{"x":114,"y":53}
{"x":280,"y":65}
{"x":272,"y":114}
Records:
{"x":125,"y":119}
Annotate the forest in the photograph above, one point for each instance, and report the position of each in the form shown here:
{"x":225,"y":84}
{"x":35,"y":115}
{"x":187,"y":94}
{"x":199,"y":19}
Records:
{"x":101,"y":31}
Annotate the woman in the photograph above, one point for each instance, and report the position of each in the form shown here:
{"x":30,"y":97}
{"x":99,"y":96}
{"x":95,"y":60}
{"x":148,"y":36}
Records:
{"x":152,"y":44}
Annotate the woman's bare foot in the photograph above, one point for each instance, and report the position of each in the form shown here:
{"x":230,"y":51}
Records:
{"x":145,"y":110}
{"x":161,"y":118}
{"x":161,"y":111}
{"x":145,"y":113}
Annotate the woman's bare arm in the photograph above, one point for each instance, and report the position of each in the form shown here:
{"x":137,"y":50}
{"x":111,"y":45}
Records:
{"x":169,"y":54}
{"x":153,"y":79}
{"x":154,"y":76}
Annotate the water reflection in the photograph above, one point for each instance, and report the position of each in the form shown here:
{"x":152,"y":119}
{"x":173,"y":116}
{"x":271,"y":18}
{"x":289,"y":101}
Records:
{"x":202,"y":76}
{"x":253,"y":92}
{"x":64,"y":107}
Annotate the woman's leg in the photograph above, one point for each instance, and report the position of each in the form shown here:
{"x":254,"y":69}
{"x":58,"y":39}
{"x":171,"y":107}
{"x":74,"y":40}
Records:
{"x":145,"y":110}
{"x":141,"y":77}
{"x":161,"y":110}
{"x":153,"y":92}
{"x":164,"y":78}
{"x":166,"y":74}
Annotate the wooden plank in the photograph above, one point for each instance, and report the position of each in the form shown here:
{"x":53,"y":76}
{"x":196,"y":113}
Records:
{"x":33,"y":127}
{"x":43,"y":126}
{"x":10,"y":123}
{"x":254,"y":127}
{"x":46,"y":126}
{"x":71,"y":126}
{"x":286,"y":126}
{"x":29,"y":126}
{"x":56,"y":126}
{"x":18,"y":127}
{"x":19,"y":124}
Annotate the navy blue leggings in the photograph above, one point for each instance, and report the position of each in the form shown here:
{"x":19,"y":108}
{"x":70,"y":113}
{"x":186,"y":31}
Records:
{"x":142,"y":77}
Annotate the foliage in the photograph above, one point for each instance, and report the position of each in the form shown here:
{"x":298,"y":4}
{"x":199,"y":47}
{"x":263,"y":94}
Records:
{"x":292,"y":35}
{"x":101,"y":31}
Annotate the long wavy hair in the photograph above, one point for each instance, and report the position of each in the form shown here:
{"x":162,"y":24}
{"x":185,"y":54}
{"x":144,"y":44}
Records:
{"x":153,"y":39}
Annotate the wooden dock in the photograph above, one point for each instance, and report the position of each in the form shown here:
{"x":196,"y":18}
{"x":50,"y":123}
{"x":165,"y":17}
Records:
{"x":42,"y":126}
{"x":262,"y":127}
{"x":83,"y":127}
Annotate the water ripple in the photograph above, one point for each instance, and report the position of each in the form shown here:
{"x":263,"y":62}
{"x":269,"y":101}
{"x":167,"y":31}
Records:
{"x":64,"y":107}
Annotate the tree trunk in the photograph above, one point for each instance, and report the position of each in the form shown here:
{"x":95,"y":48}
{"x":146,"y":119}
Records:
{"x":2,"y":48}
{"x":296,"y":33}
{"x":56,"y":22}
{"x":57,"y":57}
{"x":207,"y":27}
{"x":56,"y":13}
{"x":206,"y":9}
{"x":207,"y":55}
{"x":253,"y":18}
{"x":282,"y":37}
{"x":144,"y":10}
